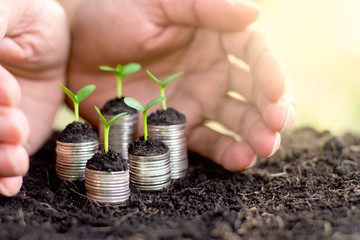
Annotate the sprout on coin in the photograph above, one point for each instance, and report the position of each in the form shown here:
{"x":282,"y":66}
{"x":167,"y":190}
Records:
{"x":107,"y":127}
{"x":131,"y":102}
{"x":122,"y":71}
{"x":79,"y":97}
{"x":163,"y":84}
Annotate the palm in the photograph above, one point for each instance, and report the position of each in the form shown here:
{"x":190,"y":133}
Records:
{"x":163,"y":42}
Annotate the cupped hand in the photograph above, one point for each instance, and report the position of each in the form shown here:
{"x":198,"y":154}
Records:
{"x":197,"y":37}
{"x":34,"y":46}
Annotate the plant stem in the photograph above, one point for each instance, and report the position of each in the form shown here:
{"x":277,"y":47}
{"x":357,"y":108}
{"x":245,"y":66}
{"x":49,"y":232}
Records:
{"x":76,"y":110}
{"x":145,"y":125}
{"x":106,"y":139}
{"x":162,"y":92}
{"x":119,"y":86}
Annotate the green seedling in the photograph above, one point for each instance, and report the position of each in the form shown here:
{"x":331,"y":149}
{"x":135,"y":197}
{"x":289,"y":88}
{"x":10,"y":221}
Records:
{"x":163,"y":84}
{"x":122,"y":71}
{"x":131,"y":102}
{"x":107,"y":127}
{"x":79,"y":97}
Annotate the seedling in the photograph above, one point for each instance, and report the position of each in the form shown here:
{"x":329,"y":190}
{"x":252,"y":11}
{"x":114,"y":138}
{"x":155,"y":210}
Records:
{"x":107,"y":127}
{"x":122,"y":71}
{"x":163,"y":84}
{"x":131,"y":102}
{"x":79,"y":97}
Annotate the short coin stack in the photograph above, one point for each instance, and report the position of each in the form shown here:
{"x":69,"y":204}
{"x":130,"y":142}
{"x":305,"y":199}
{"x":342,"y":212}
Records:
{"x":107,"y":187}
{"x":122,"y":132}
{"x":150,"y":173}
{"x":174,"y":136}
{"x":71,"y":159}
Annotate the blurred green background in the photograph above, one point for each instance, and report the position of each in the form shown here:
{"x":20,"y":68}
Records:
{"x":319,"y":42}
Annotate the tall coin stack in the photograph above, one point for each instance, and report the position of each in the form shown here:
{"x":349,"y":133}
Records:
{"x":71,"y":159}
{"x":150,"y":173}
{"x":107,"y":187}
{"x":174,"y":136}
{"x":122,"y":132}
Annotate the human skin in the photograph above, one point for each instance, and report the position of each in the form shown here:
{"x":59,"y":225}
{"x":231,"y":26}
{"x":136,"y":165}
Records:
{"x":34,"y":46}
{"x":194,"y":36}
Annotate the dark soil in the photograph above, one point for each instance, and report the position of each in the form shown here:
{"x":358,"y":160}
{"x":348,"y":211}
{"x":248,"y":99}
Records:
{"x":108,"y":162}
{"x":308,"y":190}
{"x":116,"y":106}
{"x":77,"y":132}
{"x":151,"y":147}
{"x":166,"y":117}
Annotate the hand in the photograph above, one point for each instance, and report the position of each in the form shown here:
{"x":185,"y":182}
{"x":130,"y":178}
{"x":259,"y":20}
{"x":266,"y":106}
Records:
{"x":195,"y":37}
{"x":34,"y":45}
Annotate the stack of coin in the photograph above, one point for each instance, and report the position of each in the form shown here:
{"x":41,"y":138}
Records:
{"x":150,"y":173}
{"x":174,"y":136}
{"x":71,"y":159}
{"x":107,"y":187}
{"x":122,"y":132}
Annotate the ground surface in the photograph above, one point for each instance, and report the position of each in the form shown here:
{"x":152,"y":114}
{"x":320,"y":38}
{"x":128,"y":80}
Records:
{"x":308,"y":190}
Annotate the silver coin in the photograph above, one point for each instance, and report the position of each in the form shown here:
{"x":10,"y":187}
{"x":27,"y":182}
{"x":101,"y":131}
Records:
{"x":174,"y":136}
{"x":111,"y":187}
{"x":150,"y":173}
{"x":71,"y":159}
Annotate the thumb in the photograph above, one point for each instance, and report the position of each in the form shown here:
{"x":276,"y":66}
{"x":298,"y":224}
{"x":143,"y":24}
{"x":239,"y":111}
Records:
{"x":223,"y":15}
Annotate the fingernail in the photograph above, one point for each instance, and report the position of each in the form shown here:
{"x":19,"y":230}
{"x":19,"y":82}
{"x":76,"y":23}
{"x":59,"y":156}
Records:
{"x":276,"y":144}
{"x":290,"y":117}
{"x":253,"y":163}
{"x":4,"y":192}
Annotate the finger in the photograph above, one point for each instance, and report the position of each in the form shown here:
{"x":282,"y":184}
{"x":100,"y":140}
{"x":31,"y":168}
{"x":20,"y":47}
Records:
{"x":14,"y":160}
{"x":246,"y":120}
{"x":266,"y":68}
{"x":10,"y":186}
{"x":9,"y":88}
{"x":223,"y":150}
{"x":14,"y":127}
{"x":216,"y":14}
{"x":278,"y":115}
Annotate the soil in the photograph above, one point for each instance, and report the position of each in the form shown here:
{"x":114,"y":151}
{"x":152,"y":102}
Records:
{"x":166,"y":117}
{"x":108,"y":162}
{"x":77,"y":132}
{"x":151,"y":147}
{"x":116,"y":106}
{"x":308,"y":190}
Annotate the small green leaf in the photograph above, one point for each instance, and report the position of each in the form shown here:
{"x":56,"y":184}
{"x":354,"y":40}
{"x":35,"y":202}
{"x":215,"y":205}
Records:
{"x":172,"y":77}
{"x":132,"y":102}
{"x":120,"y":68}
{"x":107,"y":68}
{"x":154,"y":78}
{"x":85,"y":92}
{"x":154,"y":102}
{"x":112,"y":120}
{"x":69,"y":93}
{"x":101,"y":116}
{"x":131,"y":68}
